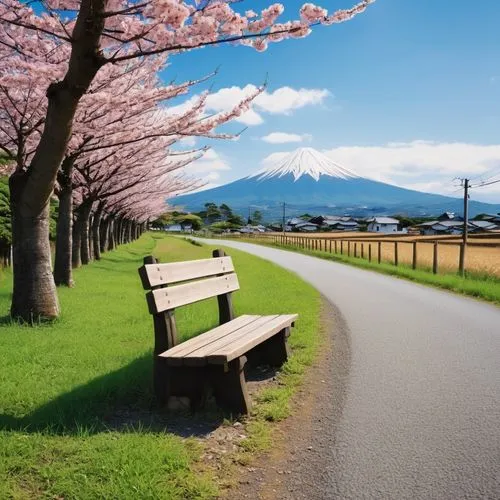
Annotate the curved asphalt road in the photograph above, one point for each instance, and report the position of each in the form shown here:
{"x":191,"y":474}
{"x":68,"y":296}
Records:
{"x":421,"y":416}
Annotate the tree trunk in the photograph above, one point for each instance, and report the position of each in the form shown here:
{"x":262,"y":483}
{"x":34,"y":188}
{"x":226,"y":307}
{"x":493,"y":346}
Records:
{"x":63,"y":274}
{"x":119,"y":231}
{"x":84,"y":214}
{"x":96,"y":235}
{"x":80,"y":233}
{"x":104,"y":234}
{"x":128,"y":231}
{"x":76,"y":254}
{"x":111,"y":233}
{"x":34,"y":295}
{"x":91,"y":243}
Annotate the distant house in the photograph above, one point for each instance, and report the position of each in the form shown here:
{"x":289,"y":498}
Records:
{"x":179,"y":228}
{"x":457,"y":227}
{"x":335,"y":222}
{"x":484,"y":225}
{"x":448,"y":216}
{"x":446,"y":226}
{"x":345,"y":226}
{"x":307,"y":227}
{"x":173,"y":228}
{"x":249,"y":229}
{"x":382,"y":225}
{"x":291,"y":224}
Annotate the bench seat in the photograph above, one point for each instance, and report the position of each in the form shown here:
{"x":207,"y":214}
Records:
{"x":229,"y":341}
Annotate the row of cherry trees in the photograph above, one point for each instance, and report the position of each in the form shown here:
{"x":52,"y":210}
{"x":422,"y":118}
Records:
{"x":84,"y":116}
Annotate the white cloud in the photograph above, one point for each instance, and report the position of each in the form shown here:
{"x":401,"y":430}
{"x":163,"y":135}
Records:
{"x":423,"y":165}
{"x":283,"y":137}
{"x":283,"y":100}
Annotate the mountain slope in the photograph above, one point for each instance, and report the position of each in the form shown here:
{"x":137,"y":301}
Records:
{"x":308,"y":181}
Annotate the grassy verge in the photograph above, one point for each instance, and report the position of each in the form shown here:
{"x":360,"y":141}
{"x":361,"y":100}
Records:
{"x":484,"y":287}
{"x":76,"y":415}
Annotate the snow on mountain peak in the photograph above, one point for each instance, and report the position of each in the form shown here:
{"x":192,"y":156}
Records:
{"x":305,"y":161}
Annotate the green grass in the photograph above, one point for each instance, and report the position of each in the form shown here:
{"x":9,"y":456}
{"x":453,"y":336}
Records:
{"x":77,"y":418}
{"x":480,"y":286}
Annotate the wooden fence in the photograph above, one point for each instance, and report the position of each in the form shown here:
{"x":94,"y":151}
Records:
{"x":432,"y":255}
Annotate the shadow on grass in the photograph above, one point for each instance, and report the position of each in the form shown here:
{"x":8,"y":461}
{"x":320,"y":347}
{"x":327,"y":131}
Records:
{"x":119,"y":401}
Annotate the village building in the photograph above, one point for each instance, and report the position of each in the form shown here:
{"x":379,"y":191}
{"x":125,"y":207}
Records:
{"x":336,"y":222}
{"x":384,"y":225}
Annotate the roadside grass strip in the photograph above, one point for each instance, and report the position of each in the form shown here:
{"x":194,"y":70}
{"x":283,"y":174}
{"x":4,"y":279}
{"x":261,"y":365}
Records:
{"x":77,"y":414}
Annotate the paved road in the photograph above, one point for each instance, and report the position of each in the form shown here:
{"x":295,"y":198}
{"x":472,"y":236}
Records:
{"x":421,"y":415}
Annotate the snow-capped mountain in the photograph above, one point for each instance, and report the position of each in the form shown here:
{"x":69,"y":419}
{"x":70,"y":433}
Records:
{"x":308,"y":181}
{"x":305,"y":161}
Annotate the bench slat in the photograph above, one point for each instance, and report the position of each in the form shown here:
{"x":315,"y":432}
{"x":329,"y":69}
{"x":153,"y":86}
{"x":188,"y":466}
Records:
{"x":199,"y":357}
{"x":181,"y":295}
{"x":175,"y":354}
{"x":242,"y":345}
{"x":175,"y":272}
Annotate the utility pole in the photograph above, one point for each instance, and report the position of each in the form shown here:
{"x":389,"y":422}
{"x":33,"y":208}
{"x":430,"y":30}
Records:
{"x":284,"y":216}
{"x":463,"y":249}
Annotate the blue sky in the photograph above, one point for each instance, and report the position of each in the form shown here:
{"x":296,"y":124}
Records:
{"x":408,"y":93}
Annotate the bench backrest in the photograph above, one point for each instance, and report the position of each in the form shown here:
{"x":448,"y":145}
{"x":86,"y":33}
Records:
{"x":177,"y":284}
{"x":219,"y":278}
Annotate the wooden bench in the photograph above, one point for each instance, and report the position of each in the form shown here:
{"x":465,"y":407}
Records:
{"x":215,"y":359}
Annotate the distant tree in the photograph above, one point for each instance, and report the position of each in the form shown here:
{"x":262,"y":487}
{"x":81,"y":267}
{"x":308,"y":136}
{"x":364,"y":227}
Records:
{"x":219,"y":227}
{"x":226,"y":211}
{"x":256,"y":217}
{"x":405,"y":221}
{"x":213,"y":213}
{"x":195,"y":221}
{"x":305,"y":216}
{"x":236,"y":220}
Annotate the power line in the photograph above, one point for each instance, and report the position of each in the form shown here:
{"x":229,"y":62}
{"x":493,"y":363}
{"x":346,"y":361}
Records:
{"x":486,"y":184}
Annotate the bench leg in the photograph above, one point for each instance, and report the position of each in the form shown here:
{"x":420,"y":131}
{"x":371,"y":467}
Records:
{"x":179,"y":381}
{"x":275,"y":351}
{"x":230,"y":388}
{"x":160,"y":380}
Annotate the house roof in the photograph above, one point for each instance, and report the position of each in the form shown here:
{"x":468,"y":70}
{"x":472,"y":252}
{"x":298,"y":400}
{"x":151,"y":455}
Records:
{"x":447,"y":216}
{"x":346,"y":223}
{"x":383,"y":220}
{"x":304,"y":224}
{"x":450,"y":223}
{"x":484,"y":224}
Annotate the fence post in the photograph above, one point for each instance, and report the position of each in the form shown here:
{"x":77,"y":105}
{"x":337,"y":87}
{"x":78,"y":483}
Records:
{"x":396,"y":254}
{"x":355,"y":249}
{"x":379,"y":252}
{"x":369,"y":252}
{"x":335,"y":242}
{"x":414,"y":263}
{"x":435,"y":258}
{"x":362,"y":250}
{"x":348,"y":248}
{"x":330,"y":245}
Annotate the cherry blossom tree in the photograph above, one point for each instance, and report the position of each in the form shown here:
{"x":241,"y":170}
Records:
{"x":94,"y":34}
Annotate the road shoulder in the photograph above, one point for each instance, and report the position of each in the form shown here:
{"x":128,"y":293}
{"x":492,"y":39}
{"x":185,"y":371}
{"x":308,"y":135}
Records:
{"x":303,"y":444}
